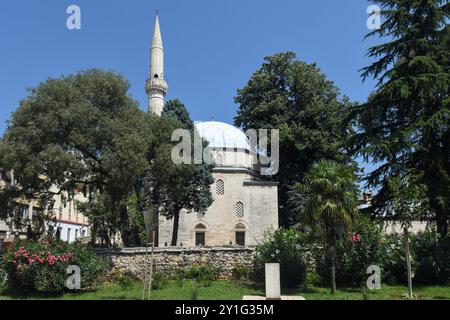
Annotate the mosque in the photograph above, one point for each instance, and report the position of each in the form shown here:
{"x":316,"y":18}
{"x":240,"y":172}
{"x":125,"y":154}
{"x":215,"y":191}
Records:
{"x":245,"y":206}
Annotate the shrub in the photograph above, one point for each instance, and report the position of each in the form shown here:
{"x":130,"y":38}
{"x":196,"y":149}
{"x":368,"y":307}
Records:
{"x":313,"y":279}
{"x":41,"y":266}
{"x":393,"y":260}
{"x":432,"y":257}
{"x":3,"y":274}
{"x":286,"y":247}
{"x":126,"y":280}
{"x":159,"y":281}
{"x":203,"y":273}
{"x":241,"y":273}
{"x":367,"y":245}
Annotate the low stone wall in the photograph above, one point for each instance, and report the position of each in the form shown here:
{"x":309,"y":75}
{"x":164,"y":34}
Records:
{"x":168,"y":260}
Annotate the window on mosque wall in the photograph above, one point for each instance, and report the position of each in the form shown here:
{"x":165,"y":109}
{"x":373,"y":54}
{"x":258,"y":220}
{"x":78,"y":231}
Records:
{"x":239,"y":208}
{"x":219,"y":160}
{"x":240,"y":238}
{"x":200,"y":235}
{"x":200,"y":215}
{"x":200,"y":239}
{"x":220,"y":187}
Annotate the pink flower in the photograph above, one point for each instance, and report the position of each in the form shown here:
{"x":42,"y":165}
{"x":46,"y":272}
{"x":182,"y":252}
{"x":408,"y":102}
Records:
{"x":356,"y":237}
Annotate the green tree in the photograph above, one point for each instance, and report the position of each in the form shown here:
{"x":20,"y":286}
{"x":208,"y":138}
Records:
{"x":327,"y":198}
{"x":297,"y":99}
{"x":405,"y":124}
{"x":79,"y":132}
{"x":178,"y":186}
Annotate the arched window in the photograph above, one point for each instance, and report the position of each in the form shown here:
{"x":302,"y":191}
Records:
{"x":239,"y":208}
{"x":219,"y":160}
{"x":156,"y":76}
{"x":220,"y":187}
{"x":200,"y":215}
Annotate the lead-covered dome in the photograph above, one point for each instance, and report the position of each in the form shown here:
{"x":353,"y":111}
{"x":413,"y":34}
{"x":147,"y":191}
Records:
{"x":222,"y":135}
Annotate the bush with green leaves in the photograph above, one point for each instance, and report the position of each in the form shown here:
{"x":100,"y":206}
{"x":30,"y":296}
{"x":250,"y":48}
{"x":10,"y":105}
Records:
{"x":159,"y":281}
{"x":205,"y":272}
{"x":288,"y":247}
{"x":42,"y":266}
{"x":241,"y":273}
{"x":3,"y":274}
{"x":432,"y":257}
{"x":366,"y":245}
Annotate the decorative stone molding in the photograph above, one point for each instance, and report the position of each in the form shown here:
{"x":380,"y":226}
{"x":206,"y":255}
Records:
{"x":156,"y":86}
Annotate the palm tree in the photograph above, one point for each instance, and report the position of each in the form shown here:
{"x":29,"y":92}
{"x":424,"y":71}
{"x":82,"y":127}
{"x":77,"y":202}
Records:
{"x":327,"y":198}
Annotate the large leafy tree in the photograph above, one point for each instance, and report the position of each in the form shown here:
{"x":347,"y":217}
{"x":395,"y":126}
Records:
{"x":405,"y":124}
{"x":81,"y":132}
{"x":297,"y":99}
{"x":178,"y":186}
{"x":327,"y":198}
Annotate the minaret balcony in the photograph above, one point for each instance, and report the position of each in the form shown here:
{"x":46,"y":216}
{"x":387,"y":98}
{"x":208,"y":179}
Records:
{"x":156,"y":85}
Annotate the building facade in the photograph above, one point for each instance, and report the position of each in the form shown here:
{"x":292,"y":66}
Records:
{"x":245,"y":206}
{"x":64,"y":219}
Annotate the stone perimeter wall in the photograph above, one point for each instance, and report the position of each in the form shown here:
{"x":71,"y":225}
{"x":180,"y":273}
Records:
{"x":168,"y":260}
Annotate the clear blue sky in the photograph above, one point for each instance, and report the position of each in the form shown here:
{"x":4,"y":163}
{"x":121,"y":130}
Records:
{"x":212,"y":47}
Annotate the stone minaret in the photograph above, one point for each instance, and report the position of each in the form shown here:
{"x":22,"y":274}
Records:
{"x":156,"y":86}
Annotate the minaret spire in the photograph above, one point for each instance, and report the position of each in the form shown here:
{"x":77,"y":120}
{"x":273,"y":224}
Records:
{"x":156,"y":86}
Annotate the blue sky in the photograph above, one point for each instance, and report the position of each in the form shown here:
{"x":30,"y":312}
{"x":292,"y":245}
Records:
{"x":212,"y":47}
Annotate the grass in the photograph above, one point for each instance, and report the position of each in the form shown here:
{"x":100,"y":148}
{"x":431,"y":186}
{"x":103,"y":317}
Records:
{"x":223,"y":290}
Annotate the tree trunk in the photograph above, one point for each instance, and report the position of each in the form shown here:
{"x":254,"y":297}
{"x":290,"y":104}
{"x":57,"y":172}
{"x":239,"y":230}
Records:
{"x":333,"y":268}
{"x":176,"y":224}
{"x":441,"y":223}
{"x":408,"y":262}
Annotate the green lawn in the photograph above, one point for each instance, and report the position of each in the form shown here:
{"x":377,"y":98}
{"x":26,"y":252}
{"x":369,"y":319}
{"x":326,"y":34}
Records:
{"x":221,"y":290}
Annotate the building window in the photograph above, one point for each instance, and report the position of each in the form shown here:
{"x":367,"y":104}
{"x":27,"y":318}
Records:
{"x":240,"y":238}
{"x":83,"y":233}
{"x":37,"y":213}
{"x":220,"y":187}
{"x":22,"y":212}
{"x":200,"y":235}
{"x":200,"y":215}
{"x":219,"y":160}
{"x":76,"y":234}
{"x":200,"y":239}
{"x":239,"y":208}
{"x":68,"y":234}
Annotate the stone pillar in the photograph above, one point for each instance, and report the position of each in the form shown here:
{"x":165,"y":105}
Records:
{"x":273,"y":286}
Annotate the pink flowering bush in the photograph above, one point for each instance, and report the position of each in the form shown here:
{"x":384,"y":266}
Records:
{"x":368,"y":244}
{"x":41,"y":266}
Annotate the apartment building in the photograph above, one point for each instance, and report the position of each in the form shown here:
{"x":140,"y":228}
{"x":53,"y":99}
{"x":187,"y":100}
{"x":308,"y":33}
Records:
{"x":64,"y":219}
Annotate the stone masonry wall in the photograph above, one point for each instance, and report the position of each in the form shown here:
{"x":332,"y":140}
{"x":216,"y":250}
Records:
{"x":168,"y":260}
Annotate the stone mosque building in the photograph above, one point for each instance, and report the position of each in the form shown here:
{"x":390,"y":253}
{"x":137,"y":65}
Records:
{"x":244,"y":206}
